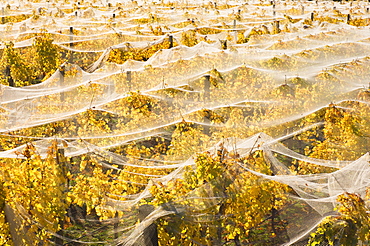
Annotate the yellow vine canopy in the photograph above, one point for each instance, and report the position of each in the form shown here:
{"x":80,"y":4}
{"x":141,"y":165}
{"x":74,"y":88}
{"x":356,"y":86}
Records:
{"x":184,"y":122}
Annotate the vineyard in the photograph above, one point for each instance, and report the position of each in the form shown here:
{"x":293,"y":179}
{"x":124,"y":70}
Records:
{"x":190,"y":122}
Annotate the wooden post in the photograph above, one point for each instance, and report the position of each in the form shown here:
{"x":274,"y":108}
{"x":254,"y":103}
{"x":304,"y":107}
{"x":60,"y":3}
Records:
{"x":71,"y":43}
{"x":110,"y":88}
{"x":9,"y":76}
{"x":128,"y":79}
{"x":71,"y":33}
{"x":276,"y":27}
{"x":115,"y":225}
{"x":170,"y":39}
{"x":120,"y":37}
{"x":62,"y":164}
{"x":207,"y":95}
{"x":61,"y":160}
{"x":150,"y":234}
{"x":207,"y":121}
{"x":61,"y":80}
{"x":3,"y":15}
{"x":207,"y":86}
{"x":17,"y":231}
{"x":348,"y":18}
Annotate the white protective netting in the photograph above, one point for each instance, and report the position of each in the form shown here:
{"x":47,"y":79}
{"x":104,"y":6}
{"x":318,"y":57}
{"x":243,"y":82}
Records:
{"x":300,"y":62}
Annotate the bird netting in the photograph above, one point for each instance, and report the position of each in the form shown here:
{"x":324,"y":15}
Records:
{"x":181,"y":122}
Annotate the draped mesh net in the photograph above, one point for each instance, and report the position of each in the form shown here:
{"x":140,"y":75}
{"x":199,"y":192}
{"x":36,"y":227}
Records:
{"x":303,"y":66}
